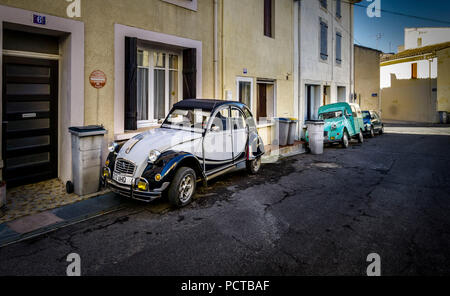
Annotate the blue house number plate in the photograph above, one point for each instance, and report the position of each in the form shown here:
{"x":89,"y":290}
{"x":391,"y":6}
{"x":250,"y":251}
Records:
{"x":39,"y":19}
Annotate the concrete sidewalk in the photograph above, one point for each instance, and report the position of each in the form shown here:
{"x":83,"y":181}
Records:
{"x":44,"y":222}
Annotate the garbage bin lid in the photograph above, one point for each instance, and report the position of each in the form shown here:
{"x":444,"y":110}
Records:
{"x":89,"y":130}
{"x":314,"y":122}
{"x":283,"y":119}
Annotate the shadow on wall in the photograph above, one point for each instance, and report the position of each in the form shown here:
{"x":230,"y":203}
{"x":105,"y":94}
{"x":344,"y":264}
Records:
{"x":410,"y":100}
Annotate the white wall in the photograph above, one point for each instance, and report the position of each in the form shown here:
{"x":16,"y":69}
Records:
{"x":425,"y":69}
{"x":313,"y":70}
{"x":429,"y":36}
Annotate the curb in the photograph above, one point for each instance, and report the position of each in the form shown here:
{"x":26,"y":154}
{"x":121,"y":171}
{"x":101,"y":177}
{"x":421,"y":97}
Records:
{"x":69,"y":214}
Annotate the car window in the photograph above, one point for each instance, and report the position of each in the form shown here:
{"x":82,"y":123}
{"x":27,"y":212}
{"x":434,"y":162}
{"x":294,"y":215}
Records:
{"x":222,"y":120}
{"x":237,"y":119}
{"x":191,"y":118}
{"x":330,"y":115}
{"x":249,"y":119}
{"x":367,"y":114}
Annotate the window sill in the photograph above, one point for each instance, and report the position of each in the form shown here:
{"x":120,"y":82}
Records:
{"x":263,"y":125}
{"x":130,"y":134}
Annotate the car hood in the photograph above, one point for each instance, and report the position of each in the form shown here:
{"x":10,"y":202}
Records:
{"x":137,"y":148}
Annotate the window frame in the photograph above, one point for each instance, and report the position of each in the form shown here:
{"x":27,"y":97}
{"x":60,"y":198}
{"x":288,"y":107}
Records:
{"x":245,"y":79}
{"x":151,"y":121}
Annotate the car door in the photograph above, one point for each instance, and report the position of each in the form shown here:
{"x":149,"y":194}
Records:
{"x":375,"y":121}
{"x":218,"y":144}
{"x":239,"y":134}
{"x":351,"y":122}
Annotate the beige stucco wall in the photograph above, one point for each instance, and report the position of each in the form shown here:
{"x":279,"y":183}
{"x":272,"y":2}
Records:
{"x":443,"y":80}
{"x":245,"y":46}
{"x":410,"y":100}
{"x":99,"y":17}
{"x":367,"y":78}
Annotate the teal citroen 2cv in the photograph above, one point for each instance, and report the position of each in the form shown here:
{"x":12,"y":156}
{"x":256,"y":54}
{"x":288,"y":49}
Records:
{"x":343,"y":121}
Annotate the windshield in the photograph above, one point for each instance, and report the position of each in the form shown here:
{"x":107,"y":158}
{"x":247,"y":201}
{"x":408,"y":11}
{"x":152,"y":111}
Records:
{"x":330,"y":115}
{"x":366,"y":114}
{"x":187,"y":119}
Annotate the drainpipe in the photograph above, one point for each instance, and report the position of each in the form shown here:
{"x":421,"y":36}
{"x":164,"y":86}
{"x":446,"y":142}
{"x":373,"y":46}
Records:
{"x":216,"y":50}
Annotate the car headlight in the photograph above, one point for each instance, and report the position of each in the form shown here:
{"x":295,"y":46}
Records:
{"x":153,"y":155}
{"x":112,"y":147}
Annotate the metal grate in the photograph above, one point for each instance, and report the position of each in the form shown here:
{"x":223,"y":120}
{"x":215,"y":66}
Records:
{"x":125,"y":167}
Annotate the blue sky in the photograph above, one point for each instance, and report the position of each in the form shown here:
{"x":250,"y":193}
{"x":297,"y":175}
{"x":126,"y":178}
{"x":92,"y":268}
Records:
{"x":391,"y":26}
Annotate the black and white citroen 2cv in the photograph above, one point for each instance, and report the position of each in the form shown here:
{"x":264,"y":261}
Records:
{"x":200,"y":139}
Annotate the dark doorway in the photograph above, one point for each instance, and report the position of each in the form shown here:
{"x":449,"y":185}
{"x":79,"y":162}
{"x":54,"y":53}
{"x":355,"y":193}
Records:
{"x":30,"y":120}
{"x":262,"y":101}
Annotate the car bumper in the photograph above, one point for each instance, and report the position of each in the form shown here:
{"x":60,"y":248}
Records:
{"x":130,"y":192}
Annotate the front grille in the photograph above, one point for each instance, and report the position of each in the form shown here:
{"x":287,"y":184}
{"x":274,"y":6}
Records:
{"x":125,"y":167}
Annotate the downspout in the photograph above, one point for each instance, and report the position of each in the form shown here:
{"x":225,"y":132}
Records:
{"x":216,"y":49}
{"x":352,"y":62}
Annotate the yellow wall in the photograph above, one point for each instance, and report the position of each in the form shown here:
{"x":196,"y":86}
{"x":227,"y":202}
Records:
{"x":99,"y":17}
{"x":245,"y":46}
{"x":367,"y":78}
{"x":410,"y":100}
{"x":443,"y":80}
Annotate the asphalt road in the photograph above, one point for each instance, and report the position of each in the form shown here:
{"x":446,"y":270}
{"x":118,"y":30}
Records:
{"x":305,"y":215}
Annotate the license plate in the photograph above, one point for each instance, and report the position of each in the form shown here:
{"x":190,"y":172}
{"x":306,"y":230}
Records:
{"x":332,"y":138}
{"x":119,"y":178}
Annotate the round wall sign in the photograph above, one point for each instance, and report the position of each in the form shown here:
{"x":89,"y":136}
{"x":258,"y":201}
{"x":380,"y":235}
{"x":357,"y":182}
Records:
{"x":97,"y":79}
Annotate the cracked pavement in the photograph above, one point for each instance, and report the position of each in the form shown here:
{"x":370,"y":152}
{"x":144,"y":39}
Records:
{"x":305,"y":215}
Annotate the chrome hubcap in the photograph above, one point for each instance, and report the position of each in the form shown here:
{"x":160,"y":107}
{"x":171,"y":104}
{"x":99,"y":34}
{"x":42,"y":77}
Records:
{"x":186,"y":188}
{"x":256,"y":163}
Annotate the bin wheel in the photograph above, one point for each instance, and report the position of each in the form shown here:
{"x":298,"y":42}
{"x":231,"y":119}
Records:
{"x":69,"y":187}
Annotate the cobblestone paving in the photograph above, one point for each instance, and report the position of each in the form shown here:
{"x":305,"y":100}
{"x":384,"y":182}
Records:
{"x":35,"y":198}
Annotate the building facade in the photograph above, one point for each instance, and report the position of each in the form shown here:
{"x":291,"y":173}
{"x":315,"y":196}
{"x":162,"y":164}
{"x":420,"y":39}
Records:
{"x":409,"y":84}
{"x":420,"y":37}
{"x":152,"y":54}
{"x":367,"y":78}
{"x":163,"y":49}
{"x":323,"y":51}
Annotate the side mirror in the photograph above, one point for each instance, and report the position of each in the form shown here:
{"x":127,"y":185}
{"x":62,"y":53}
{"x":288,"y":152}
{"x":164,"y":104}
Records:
{"x":215,"y":128}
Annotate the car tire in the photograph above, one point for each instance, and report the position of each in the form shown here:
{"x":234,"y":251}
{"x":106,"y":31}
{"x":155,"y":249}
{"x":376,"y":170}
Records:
{"x":253,"y":166}
{"x":381,"y":130}
{"x":372,"y":132}
{"x":182,"y":187}
{"x":345,"y":140}
{"x":360,"y":137}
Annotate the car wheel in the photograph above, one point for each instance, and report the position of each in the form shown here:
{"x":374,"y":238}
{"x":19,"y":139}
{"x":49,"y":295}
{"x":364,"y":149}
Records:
{"x":372,"y":132}
{"x":360,"y":137}
{"x":381,"y":130}
{"x":182,"y":188}
{"x":344,"y":140}
{"x":253,"y":166}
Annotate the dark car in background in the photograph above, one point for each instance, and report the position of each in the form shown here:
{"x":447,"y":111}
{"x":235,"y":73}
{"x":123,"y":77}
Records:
{"x":372,"y":123}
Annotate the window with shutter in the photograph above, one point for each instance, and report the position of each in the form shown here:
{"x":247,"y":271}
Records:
{"x":268,"y":18}
{"x":131,"y":53}
{"x":323,"y":41}
{"x":338,"y":8}
{"x":189,"y":73}
{"x":338,"y":48}
{"x":414,"y":71}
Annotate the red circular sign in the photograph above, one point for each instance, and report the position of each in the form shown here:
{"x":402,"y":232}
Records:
{"x":97,"y":79}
